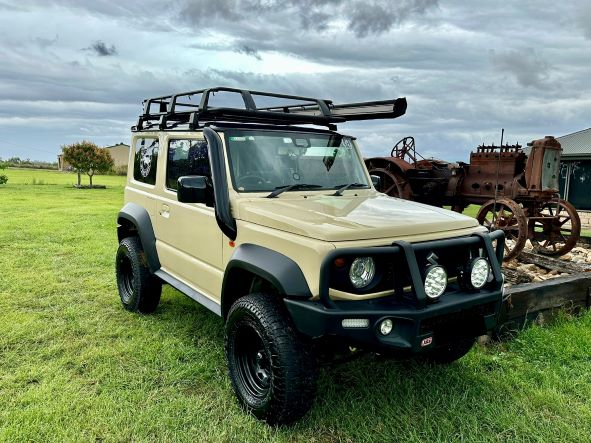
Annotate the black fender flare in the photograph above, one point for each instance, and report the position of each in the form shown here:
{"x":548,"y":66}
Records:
{"x":139,"y":218}
{"x":278,"y":269}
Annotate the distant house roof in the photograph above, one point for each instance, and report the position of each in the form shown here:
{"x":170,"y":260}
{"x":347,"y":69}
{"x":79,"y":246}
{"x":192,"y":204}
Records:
{"x":577,"y":144}
{"x":118,"y":144}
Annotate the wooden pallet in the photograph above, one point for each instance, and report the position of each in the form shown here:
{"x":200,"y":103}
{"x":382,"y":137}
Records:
{"x":535,"y":302}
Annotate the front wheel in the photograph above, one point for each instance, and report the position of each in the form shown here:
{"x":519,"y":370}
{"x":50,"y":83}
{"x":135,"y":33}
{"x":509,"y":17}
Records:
{"x":272,"y":372}
{"x":507,"y":215}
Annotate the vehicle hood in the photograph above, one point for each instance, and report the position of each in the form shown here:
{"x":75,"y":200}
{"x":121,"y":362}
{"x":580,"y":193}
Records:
{"x":346,"y":218}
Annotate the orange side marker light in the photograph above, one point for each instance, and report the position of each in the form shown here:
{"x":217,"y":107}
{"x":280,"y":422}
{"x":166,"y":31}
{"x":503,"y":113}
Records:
{"x":340,"y":262}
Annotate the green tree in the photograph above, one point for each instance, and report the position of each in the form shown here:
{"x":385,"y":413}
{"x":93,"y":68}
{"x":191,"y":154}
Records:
{"x":102,"y":162}
{"x":86,"y":157}
{"x":3,"y":178}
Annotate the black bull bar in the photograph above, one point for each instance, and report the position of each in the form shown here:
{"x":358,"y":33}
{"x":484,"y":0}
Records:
{"x":416,"y":324}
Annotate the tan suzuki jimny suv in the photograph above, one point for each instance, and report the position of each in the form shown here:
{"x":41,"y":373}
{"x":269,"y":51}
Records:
{"x":252,"y":204}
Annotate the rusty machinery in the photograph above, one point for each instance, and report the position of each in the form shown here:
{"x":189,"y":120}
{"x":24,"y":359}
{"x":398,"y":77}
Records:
{"x":518,"y":193}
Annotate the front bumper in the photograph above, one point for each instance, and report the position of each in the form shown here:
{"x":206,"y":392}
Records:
{"x":418,"y":323}
{"x":455,"y":315}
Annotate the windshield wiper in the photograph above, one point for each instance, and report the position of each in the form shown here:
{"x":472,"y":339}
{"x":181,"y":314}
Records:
{"x":343,"y":188}
{"x":280,"y":189}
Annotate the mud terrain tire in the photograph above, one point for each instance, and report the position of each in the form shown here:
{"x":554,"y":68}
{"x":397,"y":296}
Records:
{"x":138,"y":288}
{"x":273,"y":372}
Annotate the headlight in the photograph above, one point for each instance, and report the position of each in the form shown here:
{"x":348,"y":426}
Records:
{"x":435,"y":281}
{"x":479,"y":271}
{"x":362,"y":272}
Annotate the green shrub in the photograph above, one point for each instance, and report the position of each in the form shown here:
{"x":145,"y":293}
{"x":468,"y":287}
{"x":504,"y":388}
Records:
{"x":118,"y":170}
{"x":18,"y":162}
{"x":121,"y":170}
{"x":3,"y":178}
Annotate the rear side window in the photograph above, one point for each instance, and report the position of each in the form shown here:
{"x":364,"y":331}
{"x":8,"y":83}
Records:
{"x":186,"y":157}
{"x":146,"y":160}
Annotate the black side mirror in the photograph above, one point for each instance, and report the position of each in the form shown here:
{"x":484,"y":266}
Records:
{"x":375,"y":179}
{"x":195,"y":189}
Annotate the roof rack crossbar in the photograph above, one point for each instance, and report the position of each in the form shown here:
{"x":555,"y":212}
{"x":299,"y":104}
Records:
{"x":177,"y":109}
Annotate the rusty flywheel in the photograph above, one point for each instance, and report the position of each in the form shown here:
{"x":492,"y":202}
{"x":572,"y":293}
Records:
{"x":508,"y":216}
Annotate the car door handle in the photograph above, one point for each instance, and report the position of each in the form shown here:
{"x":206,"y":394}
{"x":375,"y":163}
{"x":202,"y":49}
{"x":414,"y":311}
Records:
{"x":165,"y":211}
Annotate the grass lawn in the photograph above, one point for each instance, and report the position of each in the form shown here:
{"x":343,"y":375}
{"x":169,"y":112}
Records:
{"x":75,"y":366}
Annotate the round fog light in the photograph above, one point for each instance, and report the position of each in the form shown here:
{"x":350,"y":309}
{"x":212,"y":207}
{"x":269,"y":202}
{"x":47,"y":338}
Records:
{"x":386,"y":326}
{"x":435,"y":281}
{"x":479,"y":272}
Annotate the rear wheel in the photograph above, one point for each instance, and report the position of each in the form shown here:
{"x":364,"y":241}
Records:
{"x":138,"y":288}
{"x":555,"y":228}
{"x":272,"y":372}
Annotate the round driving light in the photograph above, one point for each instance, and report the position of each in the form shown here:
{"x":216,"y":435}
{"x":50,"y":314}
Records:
{"x":386,"y":326}
{"x":362,"y":272}
{"x":435,"y":281}
{"x":479,"y":272}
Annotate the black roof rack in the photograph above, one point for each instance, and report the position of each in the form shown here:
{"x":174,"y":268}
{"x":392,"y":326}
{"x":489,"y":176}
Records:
{"x":181,"y":111}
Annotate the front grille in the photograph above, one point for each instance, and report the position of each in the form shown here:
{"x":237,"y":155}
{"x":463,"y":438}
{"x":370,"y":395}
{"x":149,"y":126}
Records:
{"x":458,"y":323}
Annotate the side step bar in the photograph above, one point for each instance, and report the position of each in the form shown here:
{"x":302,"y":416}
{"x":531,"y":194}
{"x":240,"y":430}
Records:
{"x":189,"y":292}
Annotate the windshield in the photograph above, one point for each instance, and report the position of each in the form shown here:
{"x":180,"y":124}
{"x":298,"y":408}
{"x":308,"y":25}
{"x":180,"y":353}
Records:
{"x":263,"y":161}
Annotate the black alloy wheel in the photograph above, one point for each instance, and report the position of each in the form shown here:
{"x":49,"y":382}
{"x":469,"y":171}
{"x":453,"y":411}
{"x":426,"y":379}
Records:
{"x":272,"y":369}
{"x":253,"y":362}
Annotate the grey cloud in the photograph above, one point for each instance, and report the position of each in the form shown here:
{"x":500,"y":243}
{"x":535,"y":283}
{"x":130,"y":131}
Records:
{"x":527,"y":66}
{"x":45,"y":43}
{"x":205,"y":12}
{"x":349,"y":51}
{"x":380,"y":16}
{"x":314,"y":20}
{"x":129,"y":8}
{"x":362,"y":17}
{"x":8,"y":7}
{"x":101,"y":49}
{"x":248,"y":50}
{"x":583,"y":19}
{"x":152,"y":14}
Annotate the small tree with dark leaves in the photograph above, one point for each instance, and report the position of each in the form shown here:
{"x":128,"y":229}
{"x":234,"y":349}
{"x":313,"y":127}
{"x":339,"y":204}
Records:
{"x":3,"y":178}
{"x":86,"y":157}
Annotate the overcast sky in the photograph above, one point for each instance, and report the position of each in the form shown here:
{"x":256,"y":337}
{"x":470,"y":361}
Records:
{"x":72,"y":70}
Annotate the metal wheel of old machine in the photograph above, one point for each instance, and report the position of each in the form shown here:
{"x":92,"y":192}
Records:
{"x":508,"y":216}
{"x":554,"y":228}
{"x":392,"y":183}
{"x":405,"y":148}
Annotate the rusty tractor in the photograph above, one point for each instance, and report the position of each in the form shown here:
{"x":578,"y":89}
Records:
{"x":517,"y":192}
